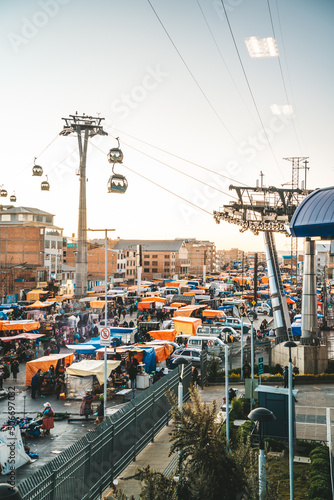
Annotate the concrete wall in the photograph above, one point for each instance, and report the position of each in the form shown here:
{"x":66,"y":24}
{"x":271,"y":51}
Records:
{"x":309,"y":359}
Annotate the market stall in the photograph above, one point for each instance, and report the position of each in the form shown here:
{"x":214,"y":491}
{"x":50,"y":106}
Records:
{"x":184,"y":325}
{"x":81,"y":376}
{"x":44,"y":364}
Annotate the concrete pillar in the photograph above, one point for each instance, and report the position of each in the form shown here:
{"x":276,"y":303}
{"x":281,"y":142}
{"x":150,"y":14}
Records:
{"x":309,"y":325}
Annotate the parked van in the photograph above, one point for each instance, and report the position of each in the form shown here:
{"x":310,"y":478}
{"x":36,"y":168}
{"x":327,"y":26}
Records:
{"x":216,"y":347}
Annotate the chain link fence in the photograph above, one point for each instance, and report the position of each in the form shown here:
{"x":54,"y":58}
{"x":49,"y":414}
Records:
{"x":88,"y":467}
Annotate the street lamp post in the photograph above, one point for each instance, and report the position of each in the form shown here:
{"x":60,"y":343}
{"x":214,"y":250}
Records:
{"x":262,"y":415}
{"x":227,"y":400}
{"x":252,"y":317}
{"x":290,"y":344}
{"x":105,"y":313}
{"x":180,"y":362}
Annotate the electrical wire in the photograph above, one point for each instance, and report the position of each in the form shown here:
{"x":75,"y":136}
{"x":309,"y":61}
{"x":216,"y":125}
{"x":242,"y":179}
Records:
{"x":224,"y":62}
{"x":180,"y":157}
{"x":57,"y":165}
{"x":156,"y":184}
{"x":249,"y":87}
{"x":193,"y":77}
{"x":287,"y":68}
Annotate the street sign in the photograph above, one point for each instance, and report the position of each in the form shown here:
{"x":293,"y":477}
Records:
{"x":105,"y":337}
{"x":260,"y":366}
{"x":253,"y":302}
{"x":330,"y":306}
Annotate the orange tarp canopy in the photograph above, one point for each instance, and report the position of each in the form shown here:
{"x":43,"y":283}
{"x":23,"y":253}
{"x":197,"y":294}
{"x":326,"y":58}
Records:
{"x":188,"y":310}
{"x":265,"y":279}
{"x":153,"y":299}
{"x":35,"y":294}
{"x":97,"y":304}
{"x":186,"y":326}
{"x":44,"y":364}
{"x":178,"y":304}
{"x":38,"y":304}
{"x":161,"y":351}
{"x":190,"y":294}
{"x":210,"y":313}
{"x":163,"y":334}
{"x":145,"y":305}
{"x":19,"y":325}
{"x":289,"y":301}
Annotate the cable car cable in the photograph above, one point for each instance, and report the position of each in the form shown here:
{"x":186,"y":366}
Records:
{"x":180,"y":171}
{"x":193,"y":77}
{"x":249,"y":87}
{"x":180,"y":158}
{"x":29,"y":165}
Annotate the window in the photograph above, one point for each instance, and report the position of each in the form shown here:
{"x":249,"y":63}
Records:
{"x":48,"y":219}
{"x":6,"y":217}
{"x":154,"y":263}
{"x":47,"y":244}
{"x":167,"y":256}
{"x":154,"y":256}
{"x":22,"y":217}
{"x":53,"y":244}
{"x":146,"y":270}
{"x":146,"y":262}
{"x":155,"y":270}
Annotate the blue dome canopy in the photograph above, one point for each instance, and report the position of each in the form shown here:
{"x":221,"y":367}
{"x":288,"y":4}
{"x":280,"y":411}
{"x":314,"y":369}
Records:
{"x":315,"y":215}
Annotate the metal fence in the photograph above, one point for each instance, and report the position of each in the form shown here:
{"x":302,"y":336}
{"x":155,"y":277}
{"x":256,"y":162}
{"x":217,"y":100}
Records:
{"x":88,"y":467}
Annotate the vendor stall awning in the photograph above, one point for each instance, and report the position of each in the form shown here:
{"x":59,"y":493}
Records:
{"x":92,"y":367}
{"x":38,"y":304}
{"x":97,"y":304}
{"x":22,"y":336}
{"x":25,"y":325}
{"x":163,"y":334}
{"x":44,"y":364}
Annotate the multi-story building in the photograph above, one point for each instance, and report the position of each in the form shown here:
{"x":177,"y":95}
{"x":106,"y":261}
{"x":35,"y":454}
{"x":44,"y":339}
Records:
{"x":160,"y":259}
{"x":30,"y":248}
{"x":201,"y":253}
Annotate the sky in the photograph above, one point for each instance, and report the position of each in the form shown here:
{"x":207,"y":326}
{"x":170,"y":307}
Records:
{"x":175,"y":82}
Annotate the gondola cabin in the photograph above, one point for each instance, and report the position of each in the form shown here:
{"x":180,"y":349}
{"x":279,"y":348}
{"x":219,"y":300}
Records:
{"x":115,"y":155}
{"x":117,"y":184}
{"x":3,"y":193}
{"x":12,"y":198}
{"x":45,"y":186}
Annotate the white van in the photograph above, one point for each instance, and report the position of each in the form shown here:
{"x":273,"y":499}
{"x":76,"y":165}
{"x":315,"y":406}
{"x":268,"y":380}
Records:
{"x":216,"y":347}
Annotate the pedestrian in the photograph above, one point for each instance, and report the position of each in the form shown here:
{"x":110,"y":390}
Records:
{"x":100,"y":411}
{"x":48,"y":422}
{"x":285,"y":377}
{"x":86,"y":404}
{"x":35,"y":383}
{"x":195,"y":377}
{"x":15,"y":368}
{"x":133,"y":375}
{"x":60,"y":385}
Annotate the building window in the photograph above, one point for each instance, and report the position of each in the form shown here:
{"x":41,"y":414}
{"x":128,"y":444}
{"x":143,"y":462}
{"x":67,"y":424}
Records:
{"x":154,"y":256}
{"x":155,"y":270}
{"x":53,"y":244}
{"x":146,"y":262}
{"x":146,"y":270}
{"x":6,"y":217}
{"x":48,"y":219}
{"x":167,"y":256}
{"x":154,"y":263}
{"x":47,"y":244}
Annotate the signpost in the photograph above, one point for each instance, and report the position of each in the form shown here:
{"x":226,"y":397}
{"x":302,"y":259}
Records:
{"x":105,"y":337}
{"x":260,"y":365}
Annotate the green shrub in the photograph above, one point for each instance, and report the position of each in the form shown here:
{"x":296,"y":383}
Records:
{"x":237,"y":409}
{"x":244,"y":431}
{"x":274,"y":445}
{"x":305,"y":447}
{"x":319,"y":464}
{"x":320,"y":489}
{"x":213,"y":366}
{"x":319,"y":452}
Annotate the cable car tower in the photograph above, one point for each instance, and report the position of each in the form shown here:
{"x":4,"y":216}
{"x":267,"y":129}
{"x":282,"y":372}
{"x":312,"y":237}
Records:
{"x":84,"y":127}
{"x":268,"y":210}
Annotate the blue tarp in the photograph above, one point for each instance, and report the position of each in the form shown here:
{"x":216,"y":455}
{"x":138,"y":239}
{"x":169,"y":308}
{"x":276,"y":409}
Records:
{"x":296,"y":329}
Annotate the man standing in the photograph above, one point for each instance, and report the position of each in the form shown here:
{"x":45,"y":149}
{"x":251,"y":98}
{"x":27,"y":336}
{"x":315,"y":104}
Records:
{"x":14,"y":368}
{"x":35,"y":383}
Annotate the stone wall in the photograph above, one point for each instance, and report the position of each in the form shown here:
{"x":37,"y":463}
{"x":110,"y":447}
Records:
{"x":309,"y":359}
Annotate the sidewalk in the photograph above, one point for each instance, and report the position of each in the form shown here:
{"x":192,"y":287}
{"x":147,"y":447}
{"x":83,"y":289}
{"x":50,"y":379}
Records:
{"x":312,"y":400}
{"x":156,"y":454}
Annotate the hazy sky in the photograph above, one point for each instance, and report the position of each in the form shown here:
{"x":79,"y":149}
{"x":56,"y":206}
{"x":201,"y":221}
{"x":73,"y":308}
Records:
{"x":175,"y":83}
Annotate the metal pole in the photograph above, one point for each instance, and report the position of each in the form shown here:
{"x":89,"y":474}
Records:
{"x":106,"y":322}
{"x":262,"y":473}
{"x":252,"y":363}
{"x":242,"y":348}
{"x":227,"y":400}
{"x":290,"y":428}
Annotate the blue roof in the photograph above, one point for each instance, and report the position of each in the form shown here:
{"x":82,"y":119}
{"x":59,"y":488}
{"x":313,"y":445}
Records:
{"x":315,"y":215}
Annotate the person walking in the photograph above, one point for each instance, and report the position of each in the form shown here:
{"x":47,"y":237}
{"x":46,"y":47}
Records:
{"x":285,"y":377}
{"x":35,"y":383}
{"x":15,"y":368}
{"x":133,"y":375}
{"x":86,"y":404}
{"x":48,"y":422}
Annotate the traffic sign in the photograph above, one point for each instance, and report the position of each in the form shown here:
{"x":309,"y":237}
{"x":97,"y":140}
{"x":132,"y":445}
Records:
{"x":253,"y":302}
{"x":260,"y":366}
{"x":105,"y":337}
{"x":330,"y":306}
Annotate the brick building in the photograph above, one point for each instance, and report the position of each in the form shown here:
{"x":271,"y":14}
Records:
{"x":200,"y":253}
{"x":30,"y":249}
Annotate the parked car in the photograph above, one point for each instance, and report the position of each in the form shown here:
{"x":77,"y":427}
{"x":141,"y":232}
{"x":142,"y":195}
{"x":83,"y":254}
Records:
{"x":234,"y":323}
{"x":192,"y":355}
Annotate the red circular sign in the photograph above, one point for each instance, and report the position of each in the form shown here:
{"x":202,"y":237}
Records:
{"x":105,"y":334}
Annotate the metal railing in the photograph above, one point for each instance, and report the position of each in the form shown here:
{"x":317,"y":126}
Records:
{"x":88,"y":467}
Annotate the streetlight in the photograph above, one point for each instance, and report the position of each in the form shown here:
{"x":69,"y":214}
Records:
{"x":290,"y":344}
{"x":252,"y":316}
{"x":180,"y":362}
{"x":227,"y":400}
{"x":262,"y":415}
{"x":105,"y":312}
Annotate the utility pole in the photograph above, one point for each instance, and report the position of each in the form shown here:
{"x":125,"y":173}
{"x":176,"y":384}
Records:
{"x":204,"y":269}
{"x":84,"y":127}
{"x":255,"y":279}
